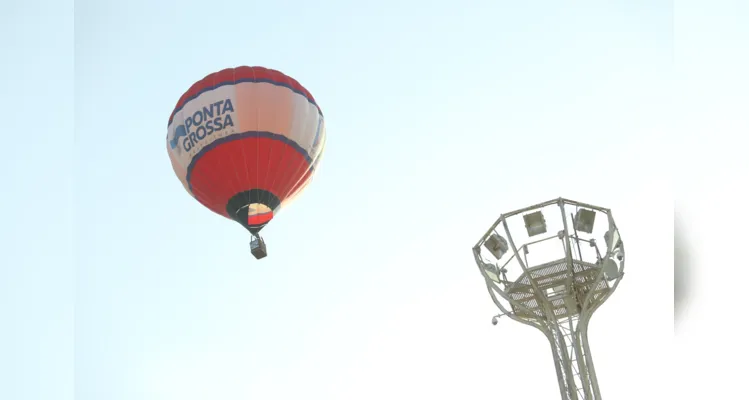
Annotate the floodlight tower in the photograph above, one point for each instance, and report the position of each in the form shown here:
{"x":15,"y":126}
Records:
{"x":555,"y":281}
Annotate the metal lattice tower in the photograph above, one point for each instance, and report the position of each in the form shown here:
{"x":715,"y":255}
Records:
{"x":553,"y":275}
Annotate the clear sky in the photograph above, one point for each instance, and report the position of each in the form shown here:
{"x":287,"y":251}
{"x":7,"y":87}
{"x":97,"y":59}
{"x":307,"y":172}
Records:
{"x":439,"y":117}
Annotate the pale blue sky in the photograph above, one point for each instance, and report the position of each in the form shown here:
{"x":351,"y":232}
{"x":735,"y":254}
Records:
{"x":439,"y":117}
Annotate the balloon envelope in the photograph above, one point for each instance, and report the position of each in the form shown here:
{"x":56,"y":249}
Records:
{"x":245,"y":141}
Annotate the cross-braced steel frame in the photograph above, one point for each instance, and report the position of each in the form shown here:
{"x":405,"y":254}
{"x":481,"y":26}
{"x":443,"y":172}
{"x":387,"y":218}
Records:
{"x":559,"y":296}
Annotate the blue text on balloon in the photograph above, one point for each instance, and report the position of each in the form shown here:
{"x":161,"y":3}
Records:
{"x":206,"y":121}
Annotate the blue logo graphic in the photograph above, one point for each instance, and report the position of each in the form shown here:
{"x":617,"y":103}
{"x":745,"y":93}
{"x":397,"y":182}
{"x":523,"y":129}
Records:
{"x":179,"y":132}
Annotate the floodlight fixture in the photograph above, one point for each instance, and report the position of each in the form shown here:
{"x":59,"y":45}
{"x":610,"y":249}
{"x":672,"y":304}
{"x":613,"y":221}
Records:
{"x":535,"y":223}
{"x":610,"y":269}
{"x":584,"y":220}
{"x":497,"y":245}
{"x":612,"y":240}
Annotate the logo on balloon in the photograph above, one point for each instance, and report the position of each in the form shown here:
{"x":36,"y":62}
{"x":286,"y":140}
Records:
{"x":179,"y":132}
{"x":204,"y":122}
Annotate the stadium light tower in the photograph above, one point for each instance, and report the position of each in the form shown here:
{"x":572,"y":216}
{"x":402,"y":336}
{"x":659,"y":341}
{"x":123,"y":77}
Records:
{"x":552,"y":269}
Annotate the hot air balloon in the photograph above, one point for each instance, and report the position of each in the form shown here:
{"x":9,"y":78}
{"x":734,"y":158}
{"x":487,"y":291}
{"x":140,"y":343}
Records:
{"x":245,"y":142}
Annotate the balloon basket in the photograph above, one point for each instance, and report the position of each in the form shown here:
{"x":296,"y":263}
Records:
{"x":257,"y":247}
